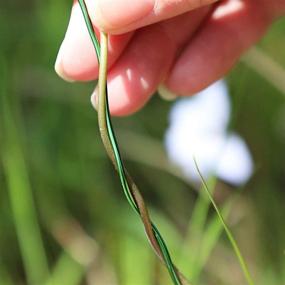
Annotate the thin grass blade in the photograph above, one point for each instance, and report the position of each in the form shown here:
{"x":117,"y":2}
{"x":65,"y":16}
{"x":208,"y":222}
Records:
{"x":230,"y":236}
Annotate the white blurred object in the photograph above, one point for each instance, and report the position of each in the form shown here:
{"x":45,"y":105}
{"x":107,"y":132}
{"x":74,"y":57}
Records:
{"x":198,"y":128}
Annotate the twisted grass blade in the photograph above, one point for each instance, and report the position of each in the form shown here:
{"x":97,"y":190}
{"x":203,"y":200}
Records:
{"x":109,"y":140}
{"x":113,"y":151}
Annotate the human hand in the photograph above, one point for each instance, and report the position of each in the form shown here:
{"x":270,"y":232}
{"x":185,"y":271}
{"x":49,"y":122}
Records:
{"x":184,"y":44}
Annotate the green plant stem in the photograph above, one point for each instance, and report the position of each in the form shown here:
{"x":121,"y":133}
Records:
{"x":230,"y":236}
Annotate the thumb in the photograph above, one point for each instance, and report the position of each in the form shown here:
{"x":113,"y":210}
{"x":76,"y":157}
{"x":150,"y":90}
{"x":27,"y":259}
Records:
{"x":120,"y":16}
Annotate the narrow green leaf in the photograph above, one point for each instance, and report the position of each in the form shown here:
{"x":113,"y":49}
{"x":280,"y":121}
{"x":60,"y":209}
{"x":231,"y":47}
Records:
{"x":21,"y":196}
{"x":230,"y":236}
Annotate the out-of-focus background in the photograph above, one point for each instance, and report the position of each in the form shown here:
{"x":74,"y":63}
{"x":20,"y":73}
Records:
{"x":63,"y":217}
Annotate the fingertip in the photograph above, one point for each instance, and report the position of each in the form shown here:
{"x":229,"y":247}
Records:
{"x":59,"y":68}
{"x":76,"y":59}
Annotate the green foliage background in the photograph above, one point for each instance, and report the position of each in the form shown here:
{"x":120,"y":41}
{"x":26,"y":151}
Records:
{"x":63,"y":217}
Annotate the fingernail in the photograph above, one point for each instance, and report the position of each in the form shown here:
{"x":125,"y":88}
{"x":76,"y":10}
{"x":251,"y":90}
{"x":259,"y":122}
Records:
{"x":59,"y":67}
{"x":117,"y":14}
{"x":165,"y":93}
{"x":94,"y":99}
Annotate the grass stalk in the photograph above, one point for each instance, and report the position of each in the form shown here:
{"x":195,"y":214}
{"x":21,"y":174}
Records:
{"x":20,"y":192}
{"x":229,"y":234}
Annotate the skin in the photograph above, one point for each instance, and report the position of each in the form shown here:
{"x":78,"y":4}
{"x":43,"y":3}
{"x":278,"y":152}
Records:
{"x":184,"y":44}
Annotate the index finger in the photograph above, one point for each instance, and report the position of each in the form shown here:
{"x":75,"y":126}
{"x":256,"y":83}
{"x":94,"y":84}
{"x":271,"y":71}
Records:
{"x":120,"y":16}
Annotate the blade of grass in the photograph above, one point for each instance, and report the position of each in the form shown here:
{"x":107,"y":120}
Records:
{"x":201,"y":238}
{"x":21,"y":197}
{"x":230,"y":236}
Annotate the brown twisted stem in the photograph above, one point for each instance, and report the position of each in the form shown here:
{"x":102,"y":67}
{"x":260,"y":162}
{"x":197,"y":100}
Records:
{"x":103,"y":127}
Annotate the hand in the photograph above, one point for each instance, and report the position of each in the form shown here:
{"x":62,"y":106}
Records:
{"x":184,"y":44}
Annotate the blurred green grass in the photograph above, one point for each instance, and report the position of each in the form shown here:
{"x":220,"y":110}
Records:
{"x":60,"y":197}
